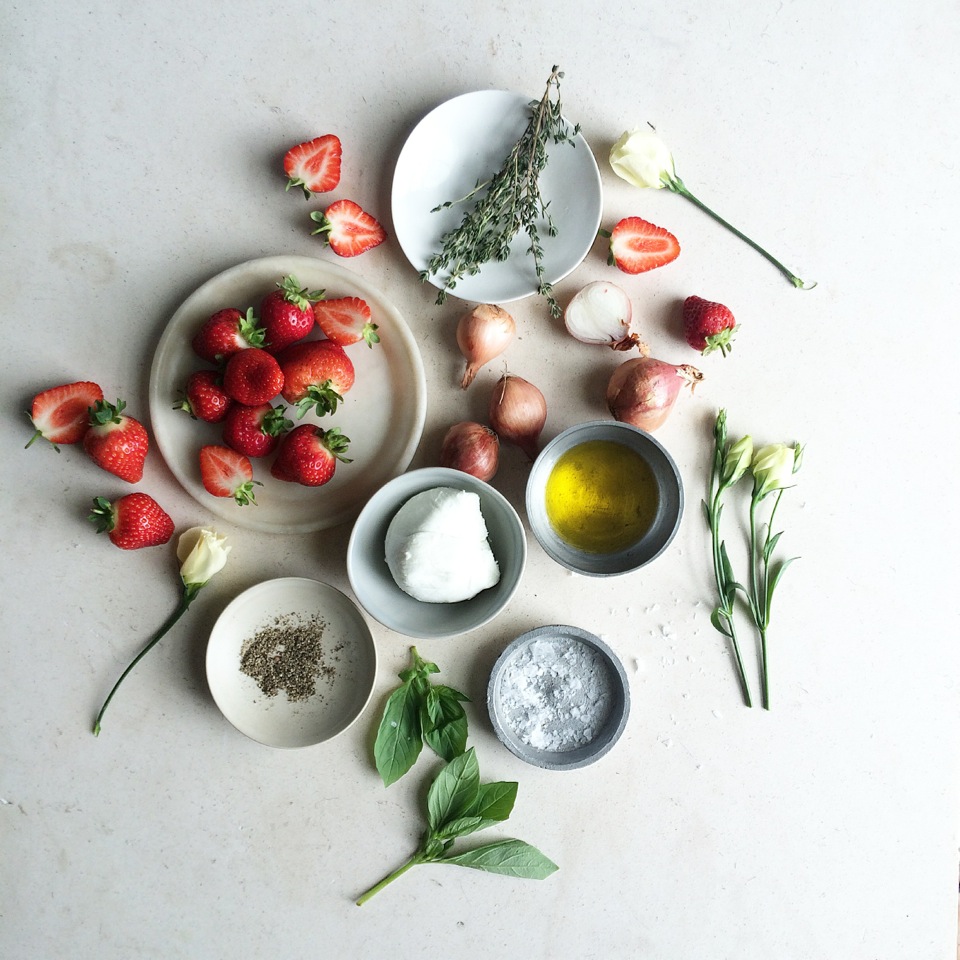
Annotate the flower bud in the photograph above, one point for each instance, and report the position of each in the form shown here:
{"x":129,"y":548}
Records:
{"x":737,"y":461}
{"x":202,"y":554}
{"x":772,"y":468}
{"x":640,"y":157}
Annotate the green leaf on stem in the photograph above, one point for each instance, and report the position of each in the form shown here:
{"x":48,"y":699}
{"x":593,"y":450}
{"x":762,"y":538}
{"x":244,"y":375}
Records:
{"x":510,"y":858}
{"x":770,"y":546}
{"x":444,"y":722}
{"x":454,"y":791}
{"x":398,"y":742}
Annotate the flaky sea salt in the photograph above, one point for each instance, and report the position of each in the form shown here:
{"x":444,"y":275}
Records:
{"x":555,"y":694}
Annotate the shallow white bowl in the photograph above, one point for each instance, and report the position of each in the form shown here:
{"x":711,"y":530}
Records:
{"x":348,"y":646}
{"x":377,"y":591}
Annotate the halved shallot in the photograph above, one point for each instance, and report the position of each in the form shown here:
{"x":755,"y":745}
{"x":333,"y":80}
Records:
{"x":601,"y":313}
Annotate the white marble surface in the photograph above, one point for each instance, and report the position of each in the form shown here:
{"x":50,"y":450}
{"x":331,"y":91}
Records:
{"x":140,"y":156}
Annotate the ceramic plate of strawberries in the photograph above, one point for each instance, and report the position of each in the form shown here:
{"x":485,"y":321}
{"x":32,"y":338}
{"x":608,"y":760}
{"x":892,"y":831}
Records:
{"x":284,"y":392}
{"x":466,"y":140}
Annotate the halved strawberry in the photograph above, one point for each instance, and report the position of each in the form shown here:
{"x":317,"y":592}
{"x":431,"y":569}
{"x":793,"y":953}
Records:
{"x":226,"y":473}
{"x":637,"y":246}
{"x":346,"y":320}
{"x":286,"y":314}
{"x":348,"y":229}
{"x":316,"y":374}
{"x":309,"y":455}
{"x":227,"y":332}
{"x":133,"y":521}
{"x":314,"y":165}
{"x":61,"y":414}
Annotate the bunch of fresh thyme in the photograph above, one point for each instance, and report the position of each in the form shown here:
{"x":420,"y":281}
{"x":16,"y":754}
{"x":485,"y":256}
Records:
{"x":512,"y":201}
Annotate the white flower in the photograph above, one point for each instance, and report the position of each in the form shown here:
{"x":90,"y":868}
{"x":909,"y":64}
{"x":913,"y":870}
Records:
{"x":773,"y":466}
{"x":737,"y":460}
{"x":202,"y":554}
{"x":640,"y":157}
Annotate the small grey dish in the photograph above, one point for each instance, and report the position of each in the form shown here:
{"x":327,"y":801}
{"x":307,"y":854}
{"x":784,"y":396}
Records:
{"x":665,"y":524}
{"x":378,"y":592}
{"x":558,"y":697}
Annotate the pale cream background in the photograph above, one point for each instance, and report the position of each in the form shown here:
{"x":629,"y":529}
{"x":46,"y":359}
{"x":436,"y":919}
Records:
{"x":140,"y":156}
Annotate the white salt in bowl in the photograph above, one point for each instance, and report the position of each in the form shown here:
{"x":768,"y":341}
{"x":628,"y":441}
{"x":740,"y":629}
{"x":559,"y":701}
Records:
{"x":558,"y":697}
{"x":378,"y":592}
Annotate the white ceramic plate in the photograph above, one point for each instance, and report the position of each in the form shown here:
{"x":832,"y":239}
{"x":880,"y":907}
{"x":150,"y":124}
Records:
{"x":382,"y":414}
{"x":467,"y":139}
{"x":348,"y":648}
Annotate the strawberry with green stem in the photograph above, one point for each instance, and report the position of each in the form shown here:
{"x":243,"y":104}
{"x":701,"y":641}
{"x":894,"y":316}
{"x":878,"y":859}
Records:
{"x":308,"y":455}
{"x":316,"y":375}
{"x":133,"y":521}
{"x":286,"y":314}
{"x":346,"y":320}
{"x":255,"y":431}
{"x":116,"y":442}
{"x":348,"y":229}
{"x":225,"y":333}
{"x":226,"y":473}
{"x":203,"y":397}
{"x":62,"y":414}
{"x":708,"y":326}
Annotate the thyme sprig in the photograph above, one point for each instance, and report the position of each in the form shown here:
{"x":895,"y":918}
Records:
{"x":508,"y":202}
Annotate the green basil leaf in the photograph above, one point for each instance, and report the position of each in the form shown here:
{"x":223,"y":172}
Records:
{"x":448,"y":740}
{"x":495,"y":801}
{"x":512,"y":858}
{"x":444,"y":722}
{"x":463,"y":826}
{"x":399,"y":739}
{"x":454,"y":790}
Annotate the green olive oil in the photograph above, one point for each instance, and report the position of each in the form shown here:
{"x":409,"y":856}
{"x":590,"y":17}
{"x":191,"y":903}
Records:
{"x":601,"y":497}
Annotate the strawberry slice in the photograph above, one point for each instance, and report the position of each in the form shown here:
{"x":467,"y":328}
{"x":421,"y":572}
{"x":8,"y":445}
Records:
{"x":226,"y":473}
{"x":61,"y":415}
{"x":314,"y":165}
{"x":637,"y":246}
{"x":348,"y":228}
{"x":346,"y":320}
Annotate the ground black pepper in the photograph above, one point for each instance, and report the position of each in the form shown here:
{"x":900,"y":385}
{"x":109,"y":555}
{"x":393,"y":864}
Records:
{"x":289,"y":654}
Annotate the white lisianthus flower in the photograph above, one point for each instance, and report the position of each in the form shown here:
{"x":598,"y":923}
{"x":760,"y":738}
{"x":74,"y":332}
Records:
{"x":202,"y":553}
{"x":640,"y":157}
{"x":737,"y":461}
{"x":772,"y":468}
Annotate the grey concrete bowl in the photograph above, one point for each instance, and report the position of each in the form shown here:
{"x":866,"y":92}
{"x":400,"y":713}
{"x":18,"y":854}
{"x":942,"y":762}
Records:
{"x":558,"y":697}
{"x":377,"y":591}
{"x":665,"y":523}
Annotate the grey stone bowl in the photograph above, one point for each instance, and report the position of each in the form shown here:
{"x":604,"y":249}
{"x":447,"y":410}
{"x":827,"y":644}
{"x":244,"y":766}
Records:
{"x":561,"y":741}
{"x":665,"y":523}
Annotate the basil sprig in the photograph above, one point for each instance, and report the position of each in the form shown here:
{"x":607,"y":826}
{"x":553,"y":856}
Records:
{"x":458,"y":805}
{"x":419,"y":712}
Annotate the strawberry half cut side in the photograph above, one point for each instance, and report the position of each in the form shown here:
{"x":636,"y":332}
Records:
{"x":637,"y":246}
{"x":61,"y":414}
{"x":314,"y":165}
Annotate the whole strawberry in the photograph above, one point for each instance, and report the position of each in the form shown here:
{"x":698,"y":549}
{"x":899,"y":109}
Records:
{"x":255,"y":431}
{"x":203,"y":397}
{"x":316,"y":374}
{"x":708,"y":326}
{"x":308,"y":455}
{"x":252,"y":377}
{"x":134,"y":521}
{"x":225,"y":333}
{"x":348,"y":229}
{"x":62,"y":414}
{"x":286,"y":314}
{"x":116,"y":442}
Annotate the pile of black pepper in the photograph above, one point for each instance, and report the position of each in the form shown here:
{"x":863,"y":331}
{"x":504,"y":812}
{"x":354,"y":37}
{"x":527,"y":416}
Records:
{"x":288,"y":654}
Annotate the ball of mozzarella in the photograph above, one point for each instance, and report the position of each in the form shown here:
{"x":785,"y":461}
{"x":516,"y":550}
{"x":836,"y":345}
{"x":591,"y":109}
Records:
{"x":437,"y":547}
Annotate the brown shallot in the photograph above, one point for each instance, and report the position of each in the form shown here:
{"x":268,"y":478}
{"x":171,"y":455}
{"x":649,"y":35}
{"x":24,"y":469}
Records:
{"x":518,"y":412}
{"x":642,"y":391}
{"x":601,"y":313}
{"x":483,"y":334}
{"x":471,"y":447}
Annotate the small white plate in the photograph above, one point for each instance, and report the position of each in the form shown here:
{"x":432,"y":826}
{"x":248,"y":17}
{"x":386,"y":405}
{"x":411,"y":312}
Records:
{"x":467,"y":139}
{"x":348,"y":648}
{"x":382,"y":414}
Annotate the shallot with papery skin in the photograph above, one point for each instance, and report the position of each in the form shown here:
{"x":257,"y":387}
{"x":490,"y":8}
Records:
{"x":483,"y":334}
{"x":518,"y":412}
{"x":472,"y":448}
{"x":601,"y":313}
{"x":642,"y":391}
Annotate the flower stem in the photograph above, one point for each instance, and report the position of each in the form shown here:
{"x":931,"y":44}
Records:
{"x":389,"y":878}
{"x":189,"y":592}
{"x":676,"y":185}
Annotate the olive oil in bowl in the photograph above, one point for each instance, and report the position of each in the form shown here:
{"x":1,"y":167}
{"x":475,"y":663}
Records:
{"x":601,"y":497}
